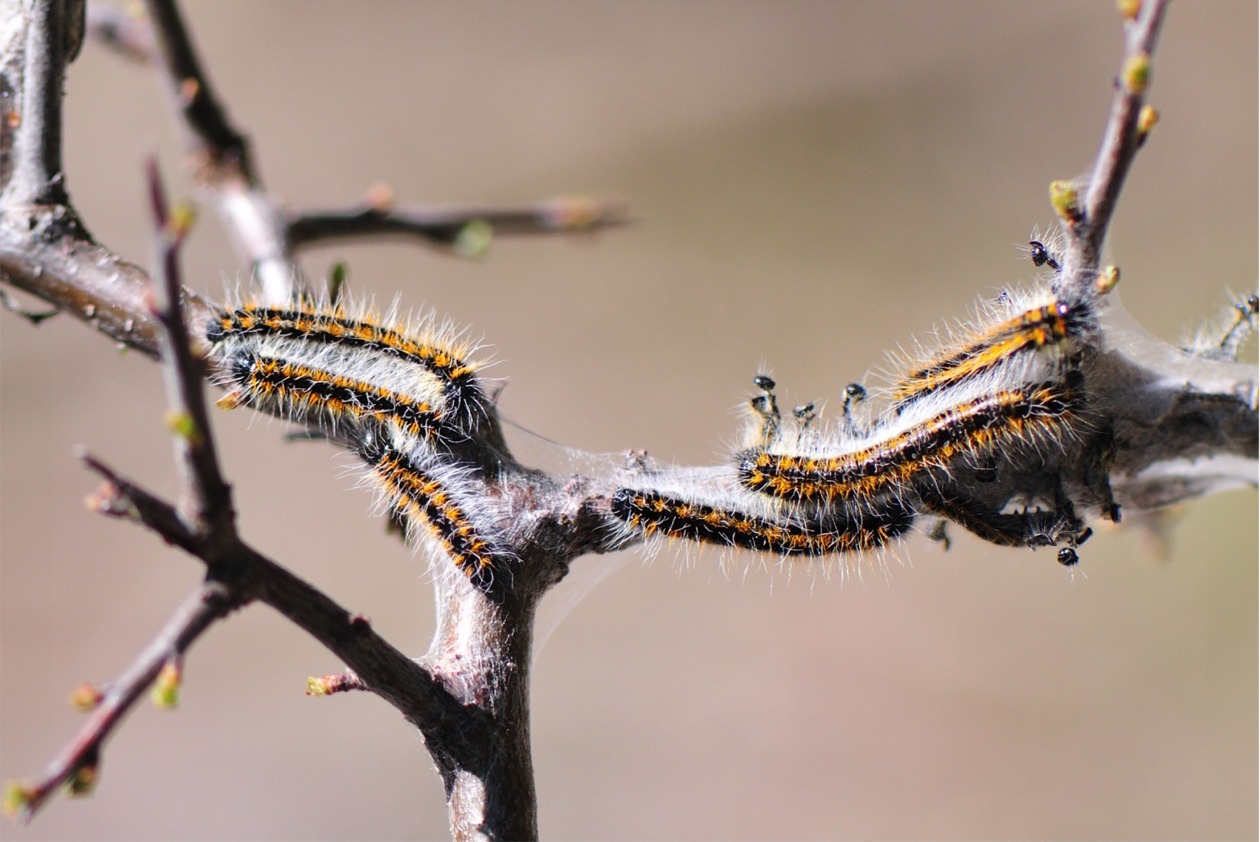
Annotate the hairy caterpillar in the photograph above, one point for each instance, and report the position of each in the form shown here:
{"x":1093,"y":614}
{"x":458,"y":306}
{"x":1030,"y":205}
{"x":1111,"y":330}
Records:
{"x":413,"y":360}
{"x":399,"y":399}
{"x":1057,"y":324}
{"x":427,"y":490}
{"x":656,"y":513}
{"x":1009,"y":387}
{"x":897,"y":453}
{"x":324,"y":399}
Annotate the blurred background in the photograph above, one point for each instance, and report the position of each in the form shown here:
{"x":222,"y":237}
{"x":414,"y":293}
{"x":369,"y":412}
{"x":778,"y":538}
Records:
{"x":812,"y":185}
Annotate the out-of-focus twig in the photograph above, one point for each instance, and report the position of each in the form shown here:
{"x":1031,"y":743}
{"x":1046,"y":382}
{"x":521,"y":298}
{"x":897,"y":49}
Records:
{"x":451,"y":227}
{"x":118,"y":29}
{"x":221,"y":159}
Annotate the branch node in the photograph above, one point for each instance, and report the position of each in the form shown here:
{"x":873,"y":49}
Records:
{"x":1136,"y":75}
{"x":1129,"y":9}
{"x":86,"y":697}
{"x":327,"y":685}
{"x":165,"y":694}
{"x":1148,"y":117}
{"x":1107,"y":279}
{"x":84,"y":777}
{"x":19,"y":799}
{"x":1066,"y":202}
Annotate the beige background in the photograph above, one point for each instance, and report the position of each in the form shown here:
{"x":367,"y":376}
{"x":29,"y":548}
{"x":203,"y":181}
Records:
{"x":812,"y":183}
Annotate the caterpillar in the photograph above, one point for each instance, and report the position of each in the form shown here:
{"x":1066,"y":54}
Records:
{"x":324,"y":399}
{"x":401,"y":401}
{"x":432,"y":362}
{"x":425,"y":490}
{"x":899,"y":452}
{"x":655,"y":513}
{"x":1058,"y":324}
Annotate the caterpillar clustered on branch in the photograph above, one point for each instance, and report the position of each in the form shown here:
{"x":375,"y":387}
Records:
{"x":1012,"y":387}
{"x":1005,"y":398}
{"x":657,"y":513}
{"x":401,"y":396}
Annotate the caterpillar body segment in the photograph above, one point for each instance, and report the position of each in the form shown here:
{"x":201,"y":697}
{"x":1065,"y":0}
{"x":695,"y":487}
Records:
{"x":411,"y":358}
{"x":654,"y":513}
{"x":900,"y":451}
{"x":435,"y":496}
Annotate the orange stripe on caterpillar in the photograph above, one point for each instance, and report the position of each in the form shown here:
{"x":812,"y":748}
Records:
{"x":654,"y":513}
{"x":973,"y":427}
{"x":1057,"y":324}
{"x":445,"y":360}
{"x":416,"y":491}
{"x":322,"y":399}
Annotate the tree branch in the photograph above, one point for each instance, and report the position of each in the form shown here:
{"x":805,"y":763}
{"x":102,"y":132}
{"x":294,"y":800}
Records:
{"x":447,"y":227}
{"x":220,"y":158}
{"x":1159,"y":406}
{"x":35,"y":70}
{"x":76,"y":765}
{"x":1120,"y":145}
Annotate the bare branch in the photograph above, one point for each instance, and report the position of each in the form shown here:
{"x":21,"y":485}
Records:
{"x":77,"y":762}
{"x":205,"y":501}
{"x":221,"y":160}
{"x":455,"y":731}
{"x":1120,"y":144}
{"x":223,"y":150}
{"x":36,"y":67}
{"x":448,"y":227}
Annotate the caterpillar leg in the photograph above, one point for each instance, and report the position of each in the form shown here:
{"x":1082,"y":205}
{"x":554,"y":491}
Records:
{"x":1029,"y":529}
{"x":1042,"y":256}
{"x":766,"y":407}
{"x":1244,"y":323}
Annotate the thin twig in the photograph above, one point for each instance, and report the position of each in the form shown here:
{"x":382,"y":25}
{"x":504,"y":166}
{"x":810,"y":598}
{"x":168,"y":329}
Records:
{"x":224,"y":146}
{"x":340,"y":682}
{"x":36,"y":318}
{"x":446,"y":227}
{"x":205,"y":499}
{"x":454,"y":731}
{"x":76,"y":764}
{"x":221,"y":159}
{"x":1120,"y":144}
